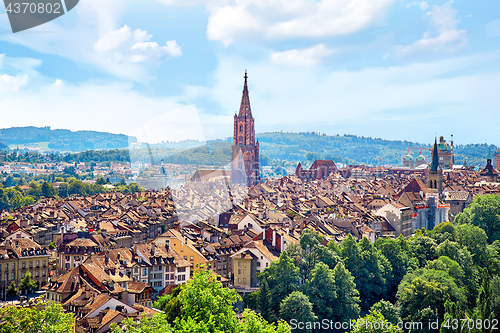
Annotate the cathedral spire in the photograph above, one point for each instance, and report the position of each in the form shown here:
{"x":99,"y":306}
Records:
{"x":245,"y":110}
{"x":435,"y":158}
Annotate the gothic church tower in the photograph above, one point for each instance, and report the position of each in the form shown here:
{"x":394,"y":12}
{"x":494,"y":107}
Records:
{"x":245,"y":151}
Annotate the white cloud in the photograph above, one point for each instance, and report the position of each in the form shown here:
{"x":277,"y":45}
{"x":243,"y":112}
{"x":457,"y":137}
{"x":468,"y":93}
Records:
{"x":8,"y":82}
{"x":423,"y":5}
{"x":124,"y":46}
{"x":310,"y":56}
{"x":237,"y":20}
{"x":444,"y":35}
{"x":93,"y":26}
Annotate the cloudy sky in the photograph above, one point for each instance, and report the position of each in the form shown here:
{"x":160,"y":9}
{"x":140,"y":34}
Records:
{"x":173,"y":69}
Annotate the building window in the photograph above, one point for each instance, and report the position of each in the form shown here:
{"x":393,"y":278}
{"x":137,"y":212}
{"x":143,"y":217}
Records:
{"x":185,"y":257}
{"x":144,"y":271}
{"x":24,"y":265}
{"x":181,"y":269}
{"x":191,"y":258}
{"x":182,"y":277}
{"x":258,"y":263}
{"x":13,"y":276}
{"x":239,"y":271}
{"x":239,"y":263}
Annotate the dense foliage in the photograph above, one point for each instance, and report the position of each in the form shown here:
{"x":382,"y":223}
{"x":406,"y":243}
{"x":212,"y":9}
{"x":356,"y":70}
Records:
{"x":43,"y":318}
{"x":202,"y":305}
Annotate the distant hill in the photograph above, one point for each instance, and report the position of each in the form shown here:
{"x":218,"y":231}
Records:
{"x":65,"y":140}
{"x":216,"y":153}
{"x":352,"y":149}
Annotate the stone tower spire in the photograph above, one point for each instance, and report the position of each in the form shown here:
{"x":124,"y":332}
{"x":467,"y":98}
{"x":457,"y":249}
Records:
{"x":245,"y":109}
{"x":435,"y":157}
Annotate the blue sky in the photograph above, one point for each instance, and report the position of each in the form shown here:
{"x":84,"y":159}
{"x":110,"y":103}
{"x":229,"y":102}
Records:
{"x":173,"y":69}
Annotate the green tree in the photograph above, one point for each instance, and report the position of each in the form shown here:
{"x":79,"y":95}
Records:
{"x":443,"y":231}
{"x":369,"y":274}
{"x":399,"y":260}
{"x":320,"y":289}
{"x":264,"y":301}
{"x":63,"y":190}
{"x":28,"y":283}
{"x":39,"y":319}
{"x":204,"y":300}
{"x":35,"y":190}
{"x":297,"y":307}
{"x":52,"y":246}
{"x":483,"y":212}
{"x":48,"y":191}
{"x":423,"y":248}
{"x":387,"y":309}
{"x":282,"y":277}
{"x":347,"y":305}
{"x":12,"y":290}
{"x":100,"y":181}
{"x":425,"y":288}
{"x":463,"y":257}
{"x":474,"y":239}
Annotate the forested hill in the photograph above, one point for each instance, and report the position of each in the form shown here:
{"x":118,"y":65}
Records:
{"x":65,"y":140}
{"x":310,"y":146}
{"x":275,"y":148}
{"x":352,"y":149}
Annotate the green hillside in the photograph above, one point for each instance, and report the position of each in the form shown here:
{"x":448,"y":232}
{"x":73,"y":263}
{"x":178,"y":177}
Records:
{"x":351,"y":149}
{"x":65,"y":140}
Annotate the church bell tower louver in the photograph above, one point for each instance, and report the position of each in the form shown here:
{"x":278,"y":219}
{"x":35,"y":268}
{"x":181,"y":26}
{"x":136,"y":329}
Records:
{"x":245,"y":150}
